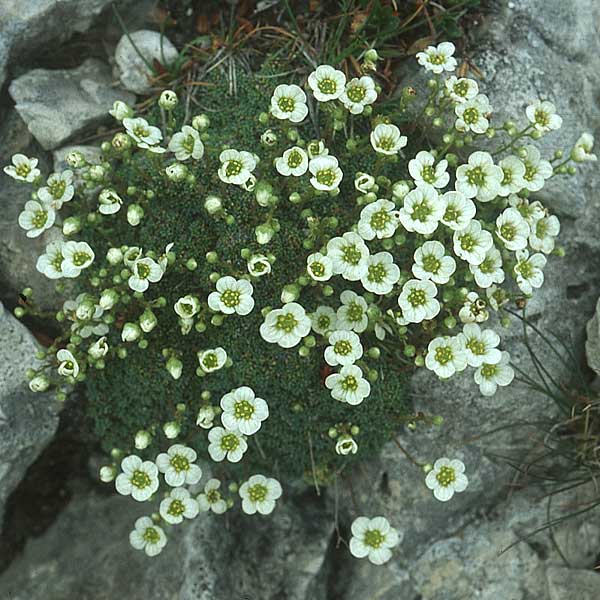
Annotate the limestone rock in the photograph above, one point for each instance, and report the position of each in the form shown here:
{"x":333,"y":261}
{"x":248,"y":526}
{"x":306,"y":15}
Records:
{"x":592,"y":344}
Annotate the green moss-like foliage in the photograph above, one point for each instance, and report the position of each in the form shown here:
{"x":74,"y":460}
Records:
{"x":138,"y":392}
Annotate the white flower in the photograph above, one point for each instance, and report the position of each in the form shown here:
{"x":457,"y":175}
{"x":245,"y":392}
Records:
{"x":187,"y":144}
{"x":323,"y":320}
{"x":418,"y":301}
{"x":348,"y":255}
{"x":286,"y":326}
{"x":382,"y":274}
{"x":120,"y":110}
{"x":373,"y":539}
{"x":489,"y":376}
{"x":358,"y":93}
{"x":446,"y":477}
{"x":459,"y":210}
{"x":386,"y":139}
{"x":423,"y":208}
{"x":23,"y":168}
{"x":259,"y":265}
{"x":232,"y":296}
{"x":289,"y":102}
{"x":187,"y":307}
{"x":348,"y":385}
{"x":582,"y":151}
{"x":438,"y":59}
{"x":293,"y":162}
{"x":472,"y":243}
{"x":326,"y":173}
{"x":512,"y":182}
{"x":131,"y":255}
{"x":474,"y":310}
{"x":109,"y":202}
{"x":226,"y":443}
{"x":352,"y":314}
{"x":446,"y":356}
{"x":139,"y":478}
{"x":142,"y":133}
{"x":212,"y":360}
{"x":316,"y":148}
{"x":50,"y":263}
{"x":68,"y":366}
{"x":489,"y":271}
{"x":211,"y":499}
{"x":528,"y":271}
{"x":512,"y":229}
{"x":544,"y":233}
{"x":319,"y":267}
{"x":431,"y":262}
{"x":346,"y":445}
{"x":36,"y":218}
{"x":480,"y":178}
{"x":473,"y":115}
{"x":40,"y":383}
{"x":542,"y":115}
{"x":243,"y":411}
{"x":363,"y":182}
{"x":206,"y":417}
{"x":130,"y":332}
{"x":461,"y":89}
{"x":480,"y":345}
{"x":422,"y":170}
{"x":531,"y":211}
{"x":236,"y":166}
{"x":99,"y":348}
{"x":77,"y":256}
{"x":177,"y":506}
{"x":58,"y":189}
{"x":344,"y":349}
{"x":537,"y":170}
{"x":178,"y":466}
{"x":379,"y":220}
{"x":326,"y":83}
{"x":148,"y":321}
{"x":147,"y":537}
{"x":144,"y":272}
{"x":259,"y":494}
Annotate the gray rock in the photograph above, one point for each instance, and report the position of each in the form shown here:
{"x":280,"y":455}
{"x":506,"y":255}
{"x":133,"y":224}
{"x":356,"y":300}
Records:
{"x":573,"y":583}
{"x":27,"y":420}
{"x":59,"y":104}
{"x":209,"y":558}
{"x":592,"y":344}
{"x":18,"y":253}
{"x":133,"y":70}
{"x":28,"y":25}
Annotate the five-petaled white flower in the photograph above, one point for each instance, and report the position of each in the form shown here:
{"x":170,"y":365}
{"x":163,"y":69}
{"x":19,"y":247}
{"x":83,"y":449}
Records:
{"x":109,"y":202}
{"x":286,"y":326}
{"x":512,"y":181}
{"x":323,"y":320}
{"x":373,"y":539}
{"x":542,"y":115}
{"x":386,"y":139}
{"x":537,"y":170}
{"x":211,"y":498}
{"x":225,"y":443}
{"x":259,"y":494}
{"x":378,"y":219}
{"x":147,"y":536}
{"x":178,"y":505}
{"x":348,"y":385}
{"x":327,"y":83}
{"x":77,"y":256}
{"x":259,"y":265}
{"x":326,"y":174}
{"x":346,"y":445}
{"x":232,"y":296}
{"x":418,"y":301}
{"x":438,"y":59}
{"x":489,"y":271}
{"x":422,"y":210}
{"x":480,"y":178}
{"x":178,"y":466}
{"x":445,"y":478}
{"x":446,"y":356}
{"x":50,"y":263}
{"x":512,"y":229}
{"x":59,"y":189}
{"x":236,"y":166}
{"x":145,"y":135}
{"x":143,"y":272}
{"x":528,"y":271}
{"x":23,"y":168}
{"x":243,"y":411}
{"x":36,"y":218}
{"x":582,"y":151}
{"x":187,"y":144}
{"x":68,"y":365}
{"x":472,"y":243}
{"x":289,"y":102}
{"x":459,"y":210}
{"x":431,"y":262}
{"x":344,"y":348}
{"x":423,"y":169}
{"x":293,"y":162}
{"x":489,"y":376}
{"x":348,"y":255}
{"x":212,"y":360}
{"x":474,"y":309}
{"x":481,"y":345}
{"x":359,"y":92}
{"x":319,"y":266}
{"x":543,"y":234}
{"x":473,"y":115}
{"x":381,"y":275}
{"x":138,"y":479}
{"x":461,"y":89}
{"x":352,"y":314}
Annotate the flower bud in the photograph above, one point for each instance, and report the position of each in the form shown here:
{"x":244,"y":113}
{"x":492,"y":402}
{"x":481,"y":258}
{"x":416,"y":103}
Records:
{"x":213,"y":205}
{"x":200,"y":122}
{"x":107,"y":474}
{"x":400,"y":189}
{"x":121,"y":142}
{"x":176,"y":172}
{"x":85,"y":310}
{"x":75,"y":159}
{"x":206,"y":416}
{"x":171,"y":429}
{"x":142,"y":439}
{"x":39,"y":383}
{"x":135,"y":214}
{"x":121,"y":110}
{"x":97,"y":172}
{"x":114,"y":256}
{"x":99,"y":348}
{"x":269,"y":137}
{"x":175,"y":367}
{"x":71,"y":226}
{"x":290,"y":293}
{"x":168,"y":100}
{"x":264,"y":233}
{"x":131,"y":332}
{"x":346,"y":445}
{"x":148,"y":321}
